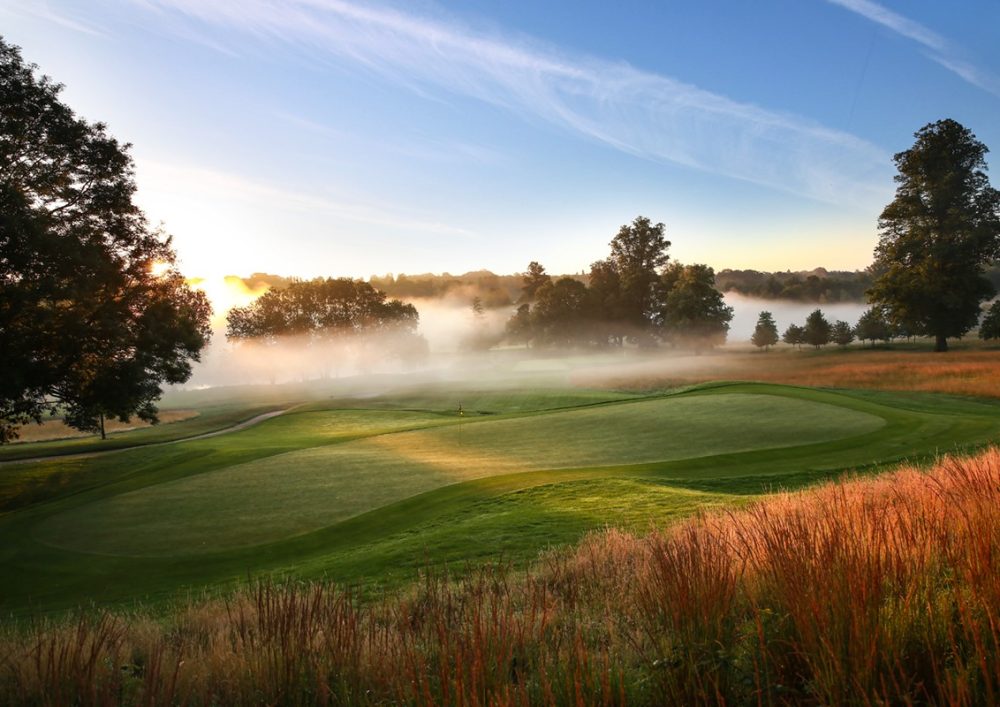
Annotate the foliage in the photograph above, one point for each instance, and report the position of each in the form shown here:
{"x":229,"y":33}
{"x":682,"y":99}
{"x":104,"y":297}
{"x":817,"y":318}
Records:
{"x":841,"y":334}
{"x":819,"y":285}
{"x":989,"y":328}
{"x":86,"y":325}
{"x":607,"y":303}
{"x":817,"y":330}
{"x":534,"y":278}
{"x":638,"y":253}
{"x":320,"y":309}
{"x":518,"y":329}
{"x":692,"y":310}
{"x":494,"y":290}
{"x":872,"y":326}
{"x":794,"y":335}
{"x":938,"y":233}
{"x":561,"y":314}
{"x":765,"y":334}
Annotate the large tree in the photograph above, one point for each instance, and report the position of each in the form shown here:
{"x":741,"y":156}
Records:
{"x":94,"y":317}
{"x":638,"y":254}
{"x":937,"y":235}
{"x":693,"y":311}
{"x":560,"y":317}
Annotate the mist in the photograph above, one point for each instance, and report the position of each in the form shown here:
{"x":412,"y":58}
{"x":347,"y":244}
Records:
{"x":785,"y":312}
{"x":457,"y":347}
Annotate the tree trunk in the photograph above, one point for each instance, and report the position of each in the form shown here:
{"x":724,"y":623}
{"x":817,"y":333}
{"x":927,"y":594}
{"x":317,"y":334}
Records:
{"x":103,"y":436}
{"x":940,"y":343}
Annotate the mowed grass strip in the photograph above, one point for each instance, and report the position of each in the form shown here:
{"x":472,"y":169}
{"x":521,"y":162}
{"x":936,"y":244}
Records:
{"x":301,"y":491}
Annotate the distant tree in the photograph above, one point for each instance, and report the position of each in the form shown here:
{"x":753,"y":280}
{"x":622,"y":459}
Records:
{"x":872,"y":326}
{"x":87,"y":327}
{"x":937,"y":235}
{"x":990,"y":326}
{"x":519,"y":328}
{"x":794,"y":335}
{"x":817,"y":330}
{"x":534,"y":277}
{"x":320,"y":309}
{"x":478,"y":311}
{"x":638,"y":252}
{"x":842,"y":334}
{"x":560,"y":315}
{"x":693,"y":311}
{"x":606,"y":303}
{"x":765,"y":334}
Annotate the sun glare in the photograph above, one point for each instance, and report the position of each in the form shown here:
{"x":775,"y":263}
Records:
{"x":225,"y":293}
{"x":159,"y":268}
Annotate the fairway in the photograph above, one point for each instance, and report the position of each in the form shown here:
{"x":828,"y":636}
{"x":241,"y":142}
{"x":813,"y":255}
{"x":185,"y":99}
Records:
{"x":305,"y":490}
{"x":371,"y":491}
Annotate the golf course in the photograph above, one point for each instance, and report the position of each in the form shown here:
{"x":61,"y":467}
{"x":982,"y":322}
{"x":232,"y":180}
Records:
{"x":368,"y":492}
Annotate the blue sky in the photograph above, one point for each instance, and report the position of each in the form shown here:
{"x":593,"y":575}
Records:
{"x":328,"y":137}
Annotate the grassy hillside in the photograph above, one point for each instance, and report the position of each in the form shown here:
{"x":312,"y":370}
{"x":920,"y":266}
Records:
{"x":368,"y":492}
{"x":870,"y":591}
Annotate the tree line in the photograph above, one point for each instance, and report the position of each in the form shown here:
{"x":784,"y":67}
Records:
{"x":819,"y":285}
{"x":634,"y":295}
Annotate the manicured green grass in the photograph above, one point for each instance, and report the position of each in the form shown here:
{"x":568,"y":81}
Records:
{"x":370,"y":496}
{"x":288,"y":494}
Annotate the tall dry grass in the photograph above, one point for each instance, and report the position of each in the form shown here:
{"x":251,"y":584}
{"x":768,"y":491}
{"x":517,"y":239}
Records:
{"x":971,"y":372}
{"x":874,"y":591}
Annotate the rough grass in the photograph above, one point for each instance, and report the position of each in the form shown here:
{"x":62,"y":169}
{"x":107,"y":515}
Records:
{"x":300,"y":491}
{"x":510,"y":515}
{"x":968,"y":372}
{"x":57,"y":429}
{"x":871,"y":591}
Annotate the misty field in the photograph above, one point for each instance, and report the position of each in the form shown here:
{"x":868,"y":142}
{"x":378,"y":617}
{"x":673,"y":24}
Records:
{"x":367,"y":492}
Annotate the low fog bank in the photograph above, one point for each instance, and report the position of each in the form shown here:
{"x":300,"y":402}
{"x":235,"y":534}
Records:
{"x":747,"y":309}
{"x":458,"y":346}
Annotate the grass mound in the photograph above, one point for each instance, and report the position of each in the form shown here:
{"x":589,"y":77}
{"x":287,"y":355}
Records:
{"x":301,"y":491}
{"x":871,"y":591}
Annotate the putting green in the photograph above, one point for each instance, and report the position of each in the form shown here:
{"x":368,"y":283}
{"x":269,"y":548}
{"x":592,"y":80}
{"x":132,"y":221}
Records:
{"x":302,"y":491}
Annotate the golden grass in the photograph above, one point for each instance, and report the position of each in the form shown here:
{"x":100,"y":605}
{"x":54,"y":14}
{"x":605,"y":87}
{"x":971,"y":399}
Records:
{"x":870,"y":591}
{"x":974,"y":372}
{"x":57,"y":429}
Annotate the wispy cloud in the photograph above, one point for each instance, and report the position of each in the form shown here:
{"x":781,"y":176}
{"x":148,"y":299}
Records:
{"x":940,"y":49}
{"x":40,"y":9}
{"x":649,"y":115}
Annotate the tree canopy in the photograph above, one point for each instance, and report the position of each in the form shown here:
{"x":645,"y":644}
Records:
{"x":693,"y":311}
{"x":817,"y":329}
{"x":320,"y":309}
{"x":937,"y":235}
{"x":631,"y":295}
{"x":638,"y":253}
{"x":872,"y":326}
{"x":87,"y":327}
{"x":765,"y":334}
{"x":989,"y":328}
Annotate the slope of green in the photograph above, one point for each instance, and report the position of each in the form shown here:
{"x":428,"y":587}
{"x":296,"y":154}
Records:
{"x":292,"y":493}
{"x":544,"y":478}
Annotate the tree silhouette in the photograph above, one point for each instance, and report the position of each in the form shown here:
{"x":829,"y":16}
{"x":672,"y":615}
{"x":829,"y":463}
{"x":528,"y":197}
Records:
{"x":990,"y":326}
{"x":765,"y":334}
{"x":937,"y":234}
{"x":693,"y":311}
{"x":87,"y":327}
{"x":817,"y":330}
